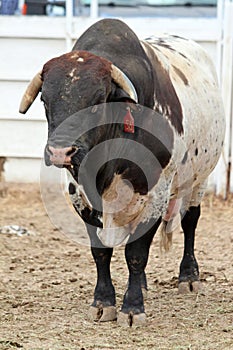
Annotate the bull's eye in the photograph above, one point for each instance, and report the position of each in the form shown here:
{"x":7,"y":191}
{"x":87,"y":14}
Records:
{"x":72,"y":151}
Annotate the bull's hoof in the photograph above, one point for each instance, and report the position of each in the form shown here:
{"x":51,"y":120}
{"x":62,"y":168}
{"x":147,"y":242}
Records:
{"x":131,"y":320}
{"x":190,"y":287}
{"x":103,"y":314}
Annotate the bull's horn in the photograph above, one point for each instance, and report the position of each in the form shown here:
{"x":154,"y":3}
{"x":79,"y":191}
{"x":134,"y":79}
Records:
{"x":123,"y":81}
{"x":31,"y":93}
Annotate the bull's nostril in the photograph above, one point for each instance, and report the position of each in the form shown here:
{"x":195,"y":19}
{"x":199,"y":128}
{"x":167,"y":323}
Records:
{"x":72,"y":151}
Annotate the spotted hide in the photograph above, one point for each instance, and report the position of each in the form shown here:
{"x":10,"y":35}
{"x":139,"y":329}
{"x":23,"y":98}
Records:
{"x":139,"y":125}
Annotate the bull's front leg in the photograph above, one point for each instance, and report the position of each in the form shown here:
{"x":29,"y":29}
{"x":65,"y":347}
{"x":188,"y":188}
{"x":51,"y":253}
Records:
{"x":103,"y":307}
{"x":136,"y":253}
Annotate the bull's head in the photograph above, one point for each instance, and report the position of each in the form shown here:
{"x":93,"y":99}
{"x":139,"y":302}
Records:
{"x":70,"y":83}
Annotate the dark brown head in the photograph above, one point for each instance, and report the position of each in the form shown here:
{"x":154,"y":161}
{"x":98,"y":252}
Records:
{"x":70,"y":83}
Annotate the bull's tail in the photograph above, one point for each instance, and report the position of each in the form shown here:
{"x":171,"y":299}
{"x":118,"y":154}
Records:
{"x":167,"y":229}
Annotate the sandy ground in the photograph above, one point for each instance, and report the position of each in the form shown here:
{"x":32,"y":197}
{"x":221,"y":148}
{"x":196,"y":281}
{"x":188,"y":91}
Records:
{"x":47,"y":282}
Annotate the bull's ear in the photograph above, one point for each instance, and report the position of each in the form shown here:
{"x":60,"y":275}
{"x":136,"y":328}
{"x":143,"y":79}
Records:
{"x":31,"y":92}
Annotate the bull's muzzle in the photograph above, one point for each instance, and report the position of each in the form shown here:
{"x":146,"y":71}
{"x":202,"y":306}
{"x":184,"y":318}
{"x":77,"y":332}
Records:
{"x":61,"y":156}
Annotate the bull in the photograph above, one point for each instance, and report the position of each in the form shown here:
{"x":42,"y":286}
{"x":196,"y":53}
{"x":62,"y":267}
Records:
{"x":165,"y":111}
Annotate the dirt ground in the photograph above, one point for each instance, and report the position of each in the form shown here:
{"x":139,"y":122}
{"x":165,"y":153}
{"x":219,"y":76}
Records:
{"x":47,"y":282}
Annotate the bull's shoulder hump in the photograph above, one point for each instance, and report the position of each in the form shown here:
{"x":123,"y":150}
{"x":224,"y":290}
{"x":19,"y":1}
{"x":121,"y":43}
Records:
{"x":109,"y":37}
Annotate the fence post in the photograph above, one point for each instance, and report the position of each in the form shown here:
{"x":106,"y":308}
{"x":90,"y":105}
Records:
{"x":222,"y":174}
{"x":69,"y":24}
{"x":94,"y":9}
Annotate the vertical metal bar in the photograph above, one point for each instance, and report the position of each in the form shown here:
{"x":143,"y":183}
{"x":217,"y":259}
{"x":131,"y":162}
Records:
{"x":69,"y":24}
{"x":220,"y":16}
{"x":222,"y":185}
{"x":94,"y":9}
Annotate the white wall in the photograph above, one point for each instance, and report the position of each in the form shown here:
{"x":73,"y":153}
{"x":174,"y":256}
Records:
{"x":26,"y":44}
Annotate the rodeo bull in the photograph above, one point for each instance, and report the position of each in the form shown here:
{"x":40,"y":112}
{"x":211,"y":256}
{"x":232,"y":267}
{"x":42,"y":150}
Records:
{"x":157,"y":105}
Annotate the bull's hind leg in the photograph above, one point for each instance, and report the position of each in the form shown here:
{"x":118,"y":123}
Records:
{"x":103,"y":307}
{"x":136,"y":253}
{"x":189,"y":273}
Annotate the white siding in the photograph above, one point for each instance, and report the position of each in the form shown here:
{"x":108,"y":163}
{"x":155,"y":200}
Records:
{"x":22,"y":57}
{"x":22,"y":138}
{"x":11,"y":93}
{"x":22,"y":169}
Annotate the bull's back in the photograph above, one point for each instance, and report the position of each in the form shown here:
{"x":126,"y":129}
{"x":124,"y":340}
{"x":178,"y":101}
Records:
{"x":191,"y":73}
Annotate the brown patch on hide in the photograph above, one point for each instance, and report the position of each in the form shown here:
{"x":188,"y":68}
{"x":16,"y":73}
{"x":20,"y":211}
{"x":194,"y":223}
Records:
{"x":74,"y":81}
{"x":82,"y":60}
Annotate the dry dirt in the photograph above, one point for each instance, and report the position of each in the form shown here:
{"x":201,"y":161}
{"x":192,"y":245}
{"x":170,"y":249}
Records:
{"x":47,"y":282}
